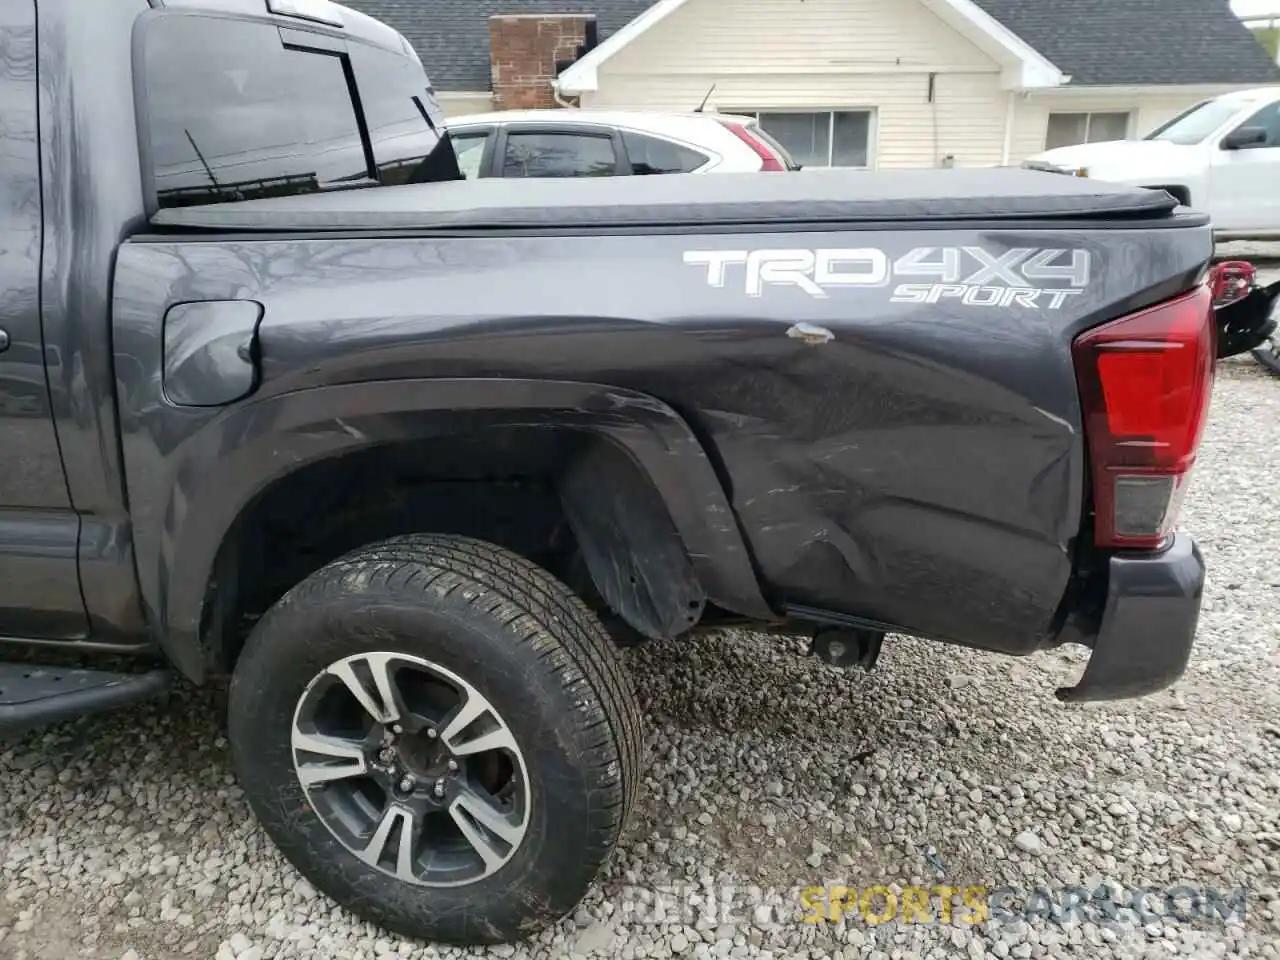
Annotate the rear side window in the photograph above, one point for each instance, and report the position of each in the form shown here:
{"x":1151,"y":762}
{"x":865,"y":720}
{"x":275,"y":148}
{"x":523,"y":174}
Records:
{"x":398,"y":112}
{"x":649,"y":155}
{"x":470,"y":150}
{"x":231,"y":112}
{"x":530,"y":154}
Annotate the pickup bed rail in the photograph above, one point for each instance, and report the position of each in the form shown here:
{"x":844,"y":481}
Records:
{"x":791,"y":202}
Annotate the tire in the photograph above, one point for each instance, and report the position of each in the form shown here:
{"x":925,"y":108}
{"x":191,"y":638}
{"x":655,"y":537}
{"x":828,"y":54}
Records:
{"x":443,"y":609}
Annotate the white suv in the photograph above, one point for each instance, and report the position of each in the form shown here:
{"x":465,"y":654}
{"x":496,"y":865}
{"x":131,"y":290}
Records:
{"x":1222,"y":156}
{"x":595,"y":143}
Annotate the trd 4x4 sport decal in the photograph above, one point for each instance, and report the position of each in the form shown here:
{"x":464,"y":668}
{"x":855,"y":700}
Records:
{"x":1021,"y":276}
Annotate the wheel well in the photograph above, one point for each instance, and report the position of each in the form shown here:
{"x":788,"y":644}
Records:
{"x":501,"y":485}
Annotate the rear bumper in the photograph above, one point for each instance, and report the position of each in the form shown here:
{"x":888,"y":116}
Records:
{"x":1247,"y":323}
{"x":1148,"y":624}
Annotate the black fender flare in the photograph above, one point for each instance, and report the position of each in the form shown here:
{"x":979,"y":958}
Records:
{"x":221,"y":469}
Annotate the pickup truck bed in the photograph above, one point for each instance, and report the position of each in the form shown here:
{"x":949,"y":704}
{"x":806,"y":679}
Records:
{"x":922,"y":468}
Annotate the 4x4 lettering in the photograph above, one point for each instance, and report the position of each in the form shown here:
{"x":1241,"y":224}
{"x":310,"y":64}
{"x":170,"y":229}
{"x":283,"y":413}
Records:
{"x":917,"y":263}
{"x":1041,"y":267}
{"x":998,"y":268}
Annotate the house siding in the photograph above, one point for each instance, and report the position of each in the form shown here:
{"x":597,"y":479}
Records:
{"x":822,"y":54}
{"x":1147,"y":111}
{"x":459,"y":104}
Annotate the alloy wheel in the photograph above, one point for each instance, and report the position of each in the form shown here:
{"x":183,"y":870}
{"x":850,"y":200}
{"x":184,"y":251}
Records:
{"x":411,"y":769}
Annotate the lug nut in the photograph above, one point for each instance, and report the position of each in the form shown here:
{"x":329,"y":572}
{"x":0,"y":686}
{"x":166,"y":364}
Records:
{"x":431,"y":733}
{"x":439,"y":790}
{"x":453,"y":766}
{"x":397,"y":729}
{"x":406,"y":784}
{"x":386,"y":755}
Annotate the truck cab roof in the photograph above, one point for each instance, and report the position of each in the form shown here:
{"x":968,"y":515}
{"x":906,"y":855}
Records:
{"x":338,"y":20}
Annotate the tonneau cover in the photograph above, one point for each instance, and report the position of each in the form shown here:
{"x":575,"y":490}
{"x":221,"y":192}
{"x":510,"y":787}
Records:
{"x":753,"y":199}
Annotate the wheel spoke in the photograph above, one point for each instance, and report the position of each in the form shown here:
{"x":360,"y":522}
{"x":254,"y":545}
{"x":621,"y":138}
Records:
{"x":385,"y":707}
{"x":500,"y":739}
{"x":471,"y":710}
{"x":373,"y":851}
{"x":472,"y":807}
{"x":467,"y":713}
{"x":336,"y":749}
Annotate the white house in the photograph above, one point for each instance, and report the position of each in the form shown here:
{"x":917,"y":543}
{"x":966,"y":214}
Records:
{"x":862,"y":83}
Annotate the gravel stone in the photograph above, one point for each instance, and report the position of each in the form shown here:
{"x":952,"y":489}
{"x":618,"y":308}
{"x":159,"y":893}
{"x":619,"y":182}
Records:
{"x":595,"y":938}
{"x":1027,"y":841}
{"x":125,"y":836}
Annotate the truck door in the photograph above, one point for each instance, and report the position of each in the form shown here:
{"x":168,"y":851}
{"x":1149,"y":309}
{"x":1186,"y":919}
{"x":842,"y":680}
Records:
{"x":1244,"y":183}
{"x":39,"y":584}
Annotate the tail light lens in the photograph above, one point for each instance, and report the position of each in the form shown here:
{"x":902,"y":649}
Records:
{"x":768,"y":161}
{"x":1231,"y":281}
{"x":1145,"y":383}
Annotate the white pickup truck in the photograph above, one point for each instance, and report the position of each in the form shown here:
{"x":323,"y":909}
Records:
{"x":1222,"y":157}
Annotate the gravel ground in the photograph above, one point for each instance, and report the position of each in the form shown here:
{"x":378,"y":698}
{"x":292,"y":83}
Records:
{"x":1250,"y":249}
{"x":125,"y":836}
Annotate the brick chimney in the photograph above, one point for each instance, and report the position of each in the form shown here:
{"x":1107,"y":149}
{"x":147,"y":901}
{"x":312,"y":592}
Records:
{"x":527,"y":52}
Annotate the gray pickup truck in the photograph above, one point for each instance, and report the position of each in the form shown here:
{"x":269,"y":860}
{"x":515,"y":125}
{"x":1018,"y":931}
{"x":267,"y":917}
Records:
{"x":406,"y":458}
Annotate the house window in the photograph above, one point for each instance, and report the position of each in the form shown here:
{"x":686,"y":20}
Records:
{"x":826,"y":138}
{"x":1068,"y":129}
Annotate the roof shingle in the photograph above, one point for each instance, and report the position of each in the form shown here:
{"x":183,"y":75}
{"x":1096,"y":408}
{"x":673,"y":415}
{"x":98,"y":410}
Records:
{"x":1096,"y":42}
{"x":1139,"y":42}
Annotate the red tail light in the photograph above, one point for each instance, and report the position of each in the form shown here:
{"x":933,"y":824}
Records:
{"x":768,"y":161}
{"x":1145,"y":382}
{"x":1231,"y":280}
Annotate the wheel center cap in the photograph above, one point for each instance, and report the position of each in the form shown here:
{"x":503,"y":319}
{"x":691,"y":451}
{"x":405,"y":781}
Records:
{"x":425,"y":758}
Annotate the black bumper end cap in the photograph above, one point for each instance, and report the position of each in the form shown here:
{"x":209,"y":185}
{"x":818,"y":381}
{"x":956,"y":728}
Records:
{"x":1148,"y":626}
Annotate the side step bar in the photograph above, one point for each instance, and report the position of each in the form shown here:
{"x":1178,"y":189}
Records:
{"x":31,"y":694}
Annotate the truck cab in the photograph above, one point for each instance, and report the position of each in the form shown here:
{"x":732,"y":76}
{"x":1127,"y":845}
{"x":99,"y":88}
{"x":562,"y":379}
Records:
{"x":296,"y":102}
{"x":1221,"y":156}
